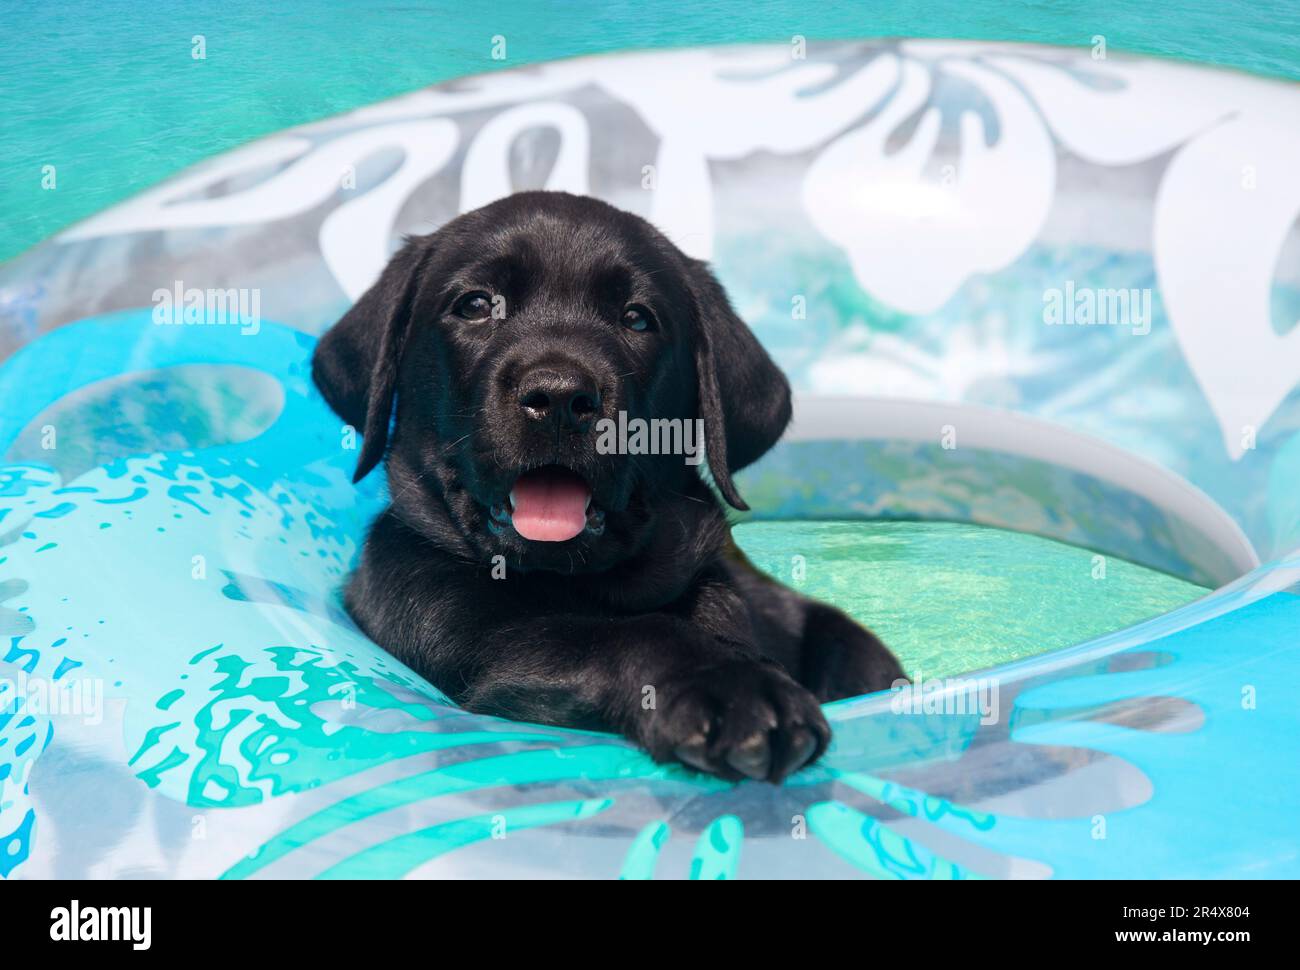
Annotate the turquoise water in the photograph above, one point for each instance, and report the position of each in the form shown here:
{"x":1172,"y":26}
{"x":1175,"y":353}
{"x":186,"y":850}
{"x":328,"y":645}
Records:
{"x":108,"y":93}
{"x":949,"y":598}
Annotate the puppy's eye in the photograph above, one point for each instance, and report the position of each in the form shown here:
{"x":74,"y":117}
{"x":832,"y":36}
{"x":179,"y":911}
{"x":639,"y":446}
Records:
{"x":473,"y":306}
{"x":638,"y":318}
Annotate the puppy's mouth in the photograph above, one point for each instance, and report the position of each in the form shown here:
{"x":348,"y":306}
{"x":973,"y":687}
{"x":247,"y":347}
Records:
{"x":550,"y":504}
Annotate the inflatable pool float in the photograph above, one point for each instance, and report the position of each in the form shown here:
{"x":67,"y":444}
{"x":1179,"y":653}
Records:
{"x":1014,"y":286}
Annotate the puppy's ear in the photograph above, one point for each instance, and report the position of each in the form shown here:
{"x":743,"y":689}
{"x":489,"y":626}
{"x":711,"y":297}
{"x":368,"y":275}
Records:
{"x":744,"y":397}
{"x":356,"y":363}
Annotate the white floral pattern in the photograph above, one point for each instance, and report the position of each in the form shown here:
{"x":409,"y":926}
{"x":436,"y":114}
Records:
{"x":933,"y":169}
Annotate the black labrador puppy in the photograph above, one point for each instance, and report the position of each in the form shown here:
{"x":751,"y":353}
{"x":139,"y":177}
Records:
{"x":532,"y":563}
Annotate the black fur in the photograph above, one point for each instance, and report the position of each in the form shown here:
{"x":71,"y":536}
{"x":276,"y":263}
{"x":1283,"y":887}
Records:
{"x":657,"y":627}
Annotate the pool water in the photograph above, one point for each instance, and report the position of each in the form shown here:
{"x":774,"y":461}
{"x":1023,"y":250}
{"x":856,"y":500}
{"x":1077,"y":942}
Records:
{"x":110,"y":95}
{"x":949,"y":598}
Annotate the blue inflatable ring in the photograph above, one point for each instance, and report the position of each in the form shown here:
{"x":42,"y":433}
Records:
{"x":181,"y":693}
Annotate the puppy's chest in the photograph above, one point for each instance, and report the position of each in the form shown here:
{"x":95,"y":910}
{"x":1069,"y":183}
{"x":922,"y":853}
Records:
{"x":543,"y":594}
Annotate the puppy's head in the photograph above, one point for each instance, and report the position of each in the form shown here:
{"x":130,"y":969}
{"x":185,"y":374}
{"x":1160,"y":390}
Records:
{"x":493,"y":358}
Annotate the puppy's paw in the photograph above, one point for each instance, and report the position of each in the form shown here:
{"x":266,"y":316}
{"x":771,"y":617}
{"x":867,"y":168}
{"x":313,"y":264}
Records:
{"x":740,"y":719}
{"x":842,"y":659}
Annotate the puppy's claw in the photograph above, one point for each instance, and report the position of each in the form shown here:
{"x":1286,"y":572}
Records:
{"x":693,"y":753}
{"x":753,"y":758}
{"x":798,"y":749}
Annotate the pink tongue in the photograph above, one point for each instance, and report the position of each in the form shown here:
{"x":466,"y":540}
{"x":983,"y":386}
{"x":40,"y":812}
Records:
{"x":550,"y":505}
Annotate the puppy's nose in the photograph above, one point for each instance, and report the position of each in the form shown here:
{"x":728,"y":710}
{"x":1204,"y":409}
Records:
{"x":566,"y":395}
